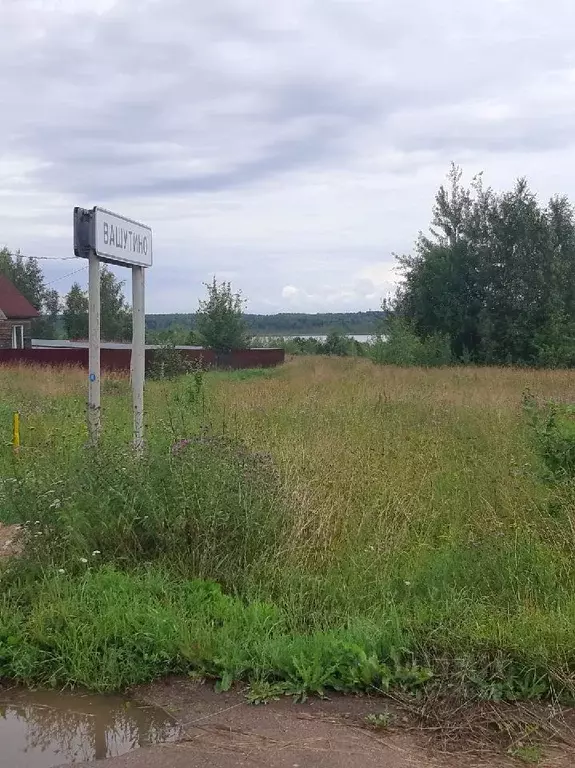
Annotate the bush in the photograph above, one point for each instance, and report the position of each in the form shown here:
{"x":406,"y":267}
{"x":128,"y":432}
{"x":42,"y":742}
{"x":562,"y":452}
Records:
{"x":206,"y":504}
{"x":553,"y":426}
{"x":400,"y":345}
{"x":337,"y":344}
{"x":168,"y":363}
{"x":220,"y":319}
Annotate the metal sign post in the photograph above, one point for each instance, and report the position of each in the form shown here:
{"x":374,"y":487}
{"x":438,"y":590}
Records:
{"x":94,"y":350}
{"x":100,"y":235}
{"x":138,"y":353}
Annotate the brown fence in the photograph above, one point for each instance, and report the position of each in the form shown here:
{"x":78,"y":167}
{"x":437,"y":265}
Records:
{"x":119,"y":359}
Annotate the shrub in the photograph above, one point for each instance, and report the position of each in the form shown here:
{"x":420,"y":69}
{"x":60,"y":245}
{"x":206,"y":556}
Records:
{"x":220,"y":319}
{"x":400,"y":345}
{"x":206,"y":504}
{"x":553,"y":426}
{"x":168,"y":363}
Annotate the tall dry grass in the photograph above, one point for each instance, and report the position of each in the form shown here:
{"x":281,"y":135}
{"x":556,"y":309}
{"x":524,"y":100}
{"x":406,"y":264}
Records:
{"x":388,"y":457}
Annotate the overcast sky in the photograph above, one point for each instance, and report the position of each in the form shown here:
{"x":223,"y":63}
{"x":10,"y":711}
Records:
{"x":289,"y":146}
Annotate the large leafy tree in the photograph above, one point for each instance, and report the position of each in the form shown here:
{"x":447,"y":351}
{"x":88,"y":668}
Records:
{"x":220,"y":318}
{"x":441,"y":292}
{"x":496,"y":275}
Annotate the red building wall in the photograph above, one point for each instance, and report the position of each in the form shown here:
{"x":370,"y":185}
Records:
{"x":119,"y":359}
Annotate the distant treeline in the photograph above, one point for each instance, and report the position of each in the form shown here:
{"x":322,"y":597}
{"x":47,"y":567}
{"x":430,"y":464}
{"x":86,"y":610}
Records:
{"x":285,"y":323}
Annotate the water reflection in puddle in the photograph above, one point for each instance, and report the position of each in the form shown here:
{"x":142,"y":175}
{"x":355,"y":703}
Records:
{"x":43,"y":729}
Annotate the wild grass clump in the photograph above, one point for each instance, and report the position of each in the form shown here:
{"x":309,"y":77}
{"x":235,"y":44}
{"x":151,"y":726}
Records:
{"x":109,"y":629}
{"x":206,"y":505}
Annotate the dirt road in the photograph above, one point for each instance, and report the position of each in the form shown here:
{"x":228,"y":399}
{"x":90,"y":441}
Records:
{"x":224,"y":731}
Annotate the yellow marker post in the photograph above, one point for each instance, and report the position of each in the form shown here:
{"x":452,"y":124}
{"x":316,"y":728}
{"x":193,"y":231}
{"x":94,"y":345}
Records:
{"x":16,"y":431}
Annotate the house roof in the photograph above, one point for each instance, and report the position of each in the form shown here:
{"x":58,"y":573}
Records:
{"x":13,"y":304}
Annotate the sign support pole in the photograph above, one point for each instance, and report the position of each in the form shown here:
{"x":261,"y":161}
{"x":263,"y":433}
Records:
{"x":94,"y":350}
{"x":100,"y":235}
{"x":138,"y":353}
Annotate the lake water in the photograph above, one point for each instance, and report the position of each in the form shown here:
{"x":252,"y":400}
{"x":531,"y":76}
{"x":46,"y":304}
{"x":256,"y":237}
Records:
{"x":43,"y":729}
{"x":319,"y":337}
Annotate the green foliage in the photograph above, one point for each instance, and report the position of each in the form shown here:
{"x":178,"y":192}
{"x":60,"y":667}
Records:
{"x":75,"y":313}
{"x":167,"y":362}
{"x":495,"y":276}
{"x":26,"y":275}
{"x":47,"y":326}
{"x":335,"y":344}
{"x":115,"y":314}
{"x":531,"y":754}
{"x":380,"y":721}
{"x":220,"y":320}
{"x":553,"y":427}
{"x":402,"y":346}
{"x":207,"y":504}
{"x":175,"y":335}
{"x":106,"y":629}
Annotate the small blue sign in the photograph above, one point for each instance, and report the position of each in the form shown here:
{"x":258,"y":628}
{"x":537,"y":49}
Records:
{"x":92,"y":377}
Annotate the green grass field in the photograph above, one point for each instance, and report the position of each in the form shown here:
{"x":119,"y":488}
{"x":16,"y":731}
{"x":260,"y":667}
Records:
{"x":329,"y":524}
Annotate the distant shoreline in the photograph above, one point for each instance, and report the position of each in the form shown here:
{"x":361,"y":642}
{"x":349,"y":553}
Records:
{"x":285,"y":323}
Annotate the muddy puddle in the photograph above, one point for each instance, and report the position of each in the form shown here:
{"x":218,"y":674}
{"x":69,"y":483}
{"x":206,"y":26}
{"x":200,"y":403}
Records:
{"x":43,"y":729}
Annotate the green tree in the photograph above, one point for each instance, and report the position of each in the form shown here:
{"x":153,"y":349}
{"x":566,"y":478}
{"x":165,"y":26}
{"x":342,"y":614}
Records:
{"x":75,"y":313}
{"x":442,"y":292}
{"x":115,"y":315}
{"x":115,"y":318}
{"x":26,"y":275}
{"x":47,"y":326}
{"x":220,"y":318}
{"x":496,"y":276}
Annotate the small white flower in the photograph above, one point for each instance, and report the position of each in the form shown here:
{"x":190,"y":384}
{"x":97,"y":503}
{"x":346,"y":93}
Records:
{"x":407,"y":583}
{"x":96,"y":552}
{"x":83,"y":560}
{"x":61,"y":570}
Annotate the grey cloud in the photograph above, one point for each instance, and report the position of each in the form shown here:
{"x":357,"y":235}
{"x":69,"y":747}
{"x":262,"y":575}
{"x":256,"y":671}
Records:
{"x":284,"y":155}
{"x":158,"y":101}
{"x":526,"y":124}
{"x":107,"y":103}
{"x":166,"y":75}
